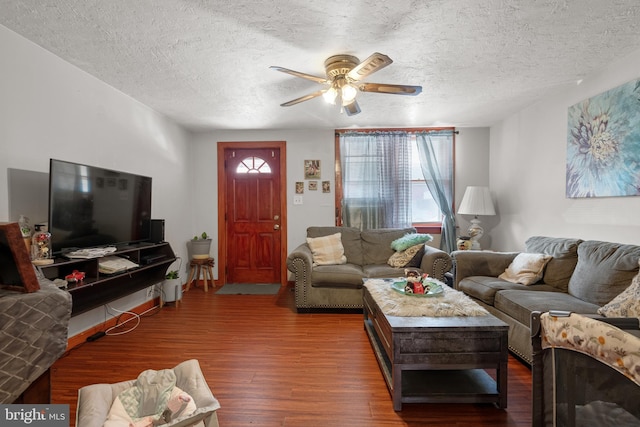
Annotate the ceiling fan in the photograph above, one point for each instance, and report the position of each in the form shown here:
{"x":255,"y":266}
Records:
{"x":344,"y":75}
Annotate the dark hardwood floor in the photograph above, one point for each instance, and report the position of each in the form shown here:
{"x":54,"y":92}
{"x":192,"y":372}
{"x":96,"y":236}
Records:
{"x":269,"y":366}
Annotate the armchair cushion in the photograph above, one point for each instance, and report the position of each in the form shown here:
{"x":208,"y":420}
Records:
{"x":603,"y":271}
{"x":344,"y":275}
{"x":350,"y":237}
{"x":484,"y":288}
{"x":376,"y":244}
{"x":565,"y":257}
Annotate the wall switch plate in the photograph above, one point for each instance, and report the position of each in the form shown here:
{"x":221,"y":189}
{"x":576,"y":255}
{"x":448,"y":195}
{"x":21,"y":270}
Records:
{"x":297,"y":200}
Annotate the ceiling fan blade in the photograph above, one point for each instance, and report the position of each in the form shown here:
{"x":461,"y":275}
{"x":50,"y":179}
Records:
{"x":390,"y":89}
{"x":374,"y":63}
{"x":352,"y":109}
{"x":303,"y":98}
{"x":302,"y":75}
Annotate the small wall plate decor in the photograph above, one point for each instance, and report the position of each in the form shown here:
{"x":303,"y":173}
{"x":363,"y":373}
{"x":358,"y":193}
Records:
{"x":16,"y":270}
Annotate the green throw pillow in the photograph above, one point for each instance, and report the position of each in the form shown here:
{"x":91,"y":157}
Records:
{"x":408,"y":240}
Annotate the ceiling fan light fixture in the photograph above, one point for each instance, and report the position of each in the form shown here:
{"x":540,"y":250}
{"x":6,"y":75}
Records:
{"x":348,"y":93}
{"x":344,"y":80}
{"x":330,"y":95}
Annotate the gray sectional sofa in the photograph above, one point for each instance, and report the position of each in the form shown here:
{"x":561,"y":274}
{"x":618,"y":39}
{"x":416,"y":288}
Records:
{"x":339,"y":286}
{"x":580,"y":277}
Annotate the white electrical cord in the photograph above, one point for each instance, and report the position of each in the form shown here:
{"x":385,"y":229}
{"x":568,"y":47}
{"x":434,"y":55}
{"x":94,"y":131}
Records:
{"x":135,"y":316}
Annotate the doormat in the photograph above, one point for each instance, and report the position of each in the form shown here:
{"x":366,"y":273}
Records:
{"x":249,"y":289}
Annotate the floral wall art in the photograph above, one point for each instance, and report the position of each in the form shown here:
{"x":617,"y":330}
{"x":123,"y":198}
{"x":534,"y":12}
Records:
{"x":603,"y":144}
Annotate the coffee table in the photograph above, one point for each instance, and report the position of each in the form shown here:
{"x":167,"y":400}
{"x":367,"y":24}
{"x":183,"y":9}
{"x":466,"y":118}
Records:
{"x":439,"y":359}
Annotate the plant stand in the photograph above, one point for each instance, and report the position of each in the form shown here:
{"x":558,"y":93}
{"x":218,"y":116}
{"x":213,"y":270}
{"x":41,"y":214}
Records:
{"x":204,"y":267}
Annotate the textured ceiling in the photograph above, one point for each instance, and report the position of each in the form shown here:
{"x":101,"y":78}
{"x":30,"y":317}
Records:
{"x":206,"y":63}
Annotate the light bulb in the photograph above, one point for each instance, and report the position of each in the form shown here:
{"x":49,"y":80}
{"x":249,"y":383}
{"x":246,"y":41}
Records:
{"x":348,"y":94}
{"x":330,"y":95}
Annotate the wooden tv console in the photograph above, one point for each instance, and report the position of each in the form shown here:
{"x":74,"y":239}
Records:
{"x":98,"y":289}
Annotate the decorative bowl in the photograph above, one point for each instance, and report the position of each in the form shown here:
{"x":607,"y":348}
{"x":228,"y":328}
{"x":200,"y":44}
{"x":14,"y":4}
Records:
{"x":435,"y":289}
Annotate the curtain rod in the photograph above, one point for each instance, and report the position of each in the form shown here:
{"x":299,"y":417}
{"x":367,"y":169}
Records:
{"x":409,"y":130}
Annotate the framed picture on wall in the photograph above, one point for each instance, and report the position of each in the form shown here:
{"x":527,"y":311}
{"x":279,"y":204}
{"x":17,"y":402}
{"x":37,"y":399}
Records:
{"x":603,"y":144}
{"x":312,"y":169}
{"x":326,"y":186}
{"x":313,"y":185}
{"x":299,"y":187}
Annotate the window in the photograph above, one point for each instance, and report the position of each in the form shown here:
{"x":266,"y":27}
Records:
{"x":393,"y":192}
{"x":424,"y":210}
{"x":253,"y":165}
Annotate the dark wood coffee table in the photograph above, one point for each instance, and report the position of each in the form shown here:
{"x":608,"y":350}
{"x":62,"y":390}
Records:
{"x":439,"y":359}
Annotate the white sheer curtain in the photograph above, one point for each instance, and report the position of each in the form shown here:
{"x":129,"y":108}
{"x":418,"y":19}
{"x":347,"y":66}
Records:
{"x":376,"y":179}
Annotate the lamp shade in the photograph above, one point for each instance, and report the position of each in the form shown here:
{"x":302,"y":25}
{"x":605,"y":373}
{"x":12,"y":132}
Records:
{"x":476,"y":201}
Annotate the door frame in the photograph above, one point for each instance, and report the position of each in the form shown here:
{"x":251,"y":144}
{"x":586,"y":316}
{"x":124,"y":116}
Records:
{"x":222,"y":199}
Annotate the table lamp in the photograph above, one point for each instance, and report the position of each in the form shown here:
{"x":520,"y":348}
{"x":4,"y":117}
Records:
{"x":476,"y":201}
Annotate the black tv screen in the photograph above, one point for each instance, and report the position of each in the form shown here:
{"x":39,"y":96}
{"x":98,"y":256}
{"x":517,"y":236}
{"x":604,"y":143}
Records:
{"x":91,"y":206}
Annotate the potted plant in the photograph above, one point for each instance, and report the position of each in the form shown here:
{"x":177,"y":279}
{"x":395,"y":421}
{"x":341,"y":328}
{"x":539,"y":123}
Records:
{"x":172,"y":286}
{"x":200,"y":246}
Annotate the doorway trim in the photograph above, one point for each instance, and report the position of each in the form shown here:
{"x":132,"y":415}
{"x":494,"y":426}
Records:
{"x":222,"y":199}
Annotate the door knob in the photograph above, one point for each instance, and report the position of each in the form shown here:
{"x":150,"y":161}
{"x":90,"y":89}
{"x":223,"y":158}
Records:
{"x":276,"y":226}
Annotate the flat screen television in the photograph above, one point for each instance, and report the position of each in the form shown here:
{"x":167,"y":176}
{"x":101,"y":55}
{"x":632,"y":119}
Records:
{"x":91,"y":206}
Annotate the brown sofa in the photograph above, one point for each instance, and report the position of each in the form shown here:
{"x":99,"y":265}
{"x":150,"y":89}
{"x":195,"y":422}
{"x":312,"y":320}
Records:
{"x":581,"y":277}
{"x":339,"y":286}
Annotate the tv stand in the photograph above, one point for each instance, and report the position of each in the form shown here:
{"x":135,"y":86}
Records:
{"x":98,"y":288}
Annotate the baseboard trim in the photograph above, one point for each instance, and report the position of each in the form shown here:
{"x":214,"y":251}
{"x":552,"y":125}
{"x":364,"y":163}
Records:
{"x":81,"y":338}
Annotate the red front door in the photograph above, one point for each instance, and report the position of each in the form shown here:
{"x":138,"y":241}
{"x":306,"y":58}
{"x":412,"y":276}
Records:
{"x":253,"y":217}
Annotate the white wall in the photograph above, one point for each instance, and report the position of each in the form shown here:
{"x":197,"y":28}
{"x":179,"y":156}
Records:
{"x":527,"y":173}
{"x":49,"y":108}
{"x":472,"y":169}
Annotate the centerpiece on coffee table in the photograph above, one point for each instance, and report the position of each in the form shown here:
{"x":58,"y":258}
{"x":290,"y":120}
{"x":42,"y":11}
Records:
{"x":416,"y":284}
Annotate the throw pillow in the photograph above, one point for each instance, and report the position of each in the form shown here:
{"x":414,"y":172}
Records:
{"x":327,"y":250}
{"x":526,"y":268}
{"x":626,"y":304}
{"x":410,"y":257}
{"x":408,"y":240}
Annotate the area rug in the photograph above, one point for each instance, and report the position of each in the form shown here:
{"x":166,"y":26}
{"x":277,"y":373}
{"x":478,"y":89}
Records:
{"x":249,"y":289}
{"x":449,"y":303}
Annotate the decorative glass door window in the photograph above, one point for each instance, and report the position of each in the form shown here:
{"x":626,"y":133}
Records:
{"x":253,"y":165}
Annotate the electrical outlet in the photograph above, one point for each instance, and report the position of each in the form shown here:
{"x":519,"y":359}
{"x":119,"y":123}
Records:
{"x":150,"y":291}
